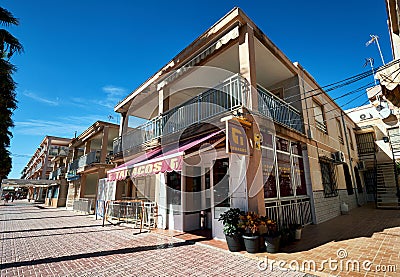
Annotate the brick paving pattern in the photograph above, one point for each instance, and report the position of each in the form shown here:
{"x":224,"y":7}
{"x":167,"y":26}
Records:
{"x":56,"y":242}
{"x":366,"y":234}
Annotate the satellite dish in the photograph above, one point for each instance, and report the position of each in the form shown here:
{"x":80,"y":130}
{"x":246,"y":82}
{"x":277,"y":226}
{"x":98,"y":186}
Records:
{"x":385,"y":112}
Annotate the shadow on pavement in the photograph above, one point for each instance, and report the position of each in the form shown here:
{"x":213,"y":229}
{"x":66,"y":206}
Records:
{"x":62,"y":234}
{"x":43,"y":217}
{"x":52,"y":228}
{"x":98,"y":254}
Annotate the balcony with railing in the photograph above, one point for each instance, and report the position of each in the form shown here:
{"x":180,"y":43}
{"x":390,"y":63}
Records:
{"x":57,"y":173}
{"x":279,"y":111}
{"x":90,"y":158}
{"x":85,"y":160}
{"x":227,"y":96}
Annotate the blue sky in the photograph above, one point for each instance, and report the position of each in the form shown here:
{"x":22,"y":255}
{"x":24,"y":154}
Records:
{"x":82,"y":57}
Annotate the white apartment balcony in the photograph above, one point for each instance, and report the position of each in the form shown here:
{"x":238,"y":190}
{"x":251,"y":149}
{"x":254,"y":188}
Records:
{"x":230,"y":95}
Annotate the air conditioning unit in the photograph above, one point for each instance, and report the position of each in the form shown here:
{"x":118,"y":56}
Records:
{"x":361,"y":165}
{"x":338,"y":157}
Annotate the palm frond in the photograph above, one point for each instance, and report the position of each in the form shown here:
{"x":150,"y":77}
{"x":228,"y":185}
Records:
{"x":6,"y":18}
{"x":9,"y":44}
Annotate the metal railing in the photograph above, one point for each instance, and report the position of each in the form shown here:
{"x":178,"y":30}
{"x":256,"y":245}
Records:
{"x":84,"y":205}
{"x":278,"y":110}
{"x":290,"y":212}
{"x":90,"y":158}
{"x":229,"y":95}
{"x":139,"y":213}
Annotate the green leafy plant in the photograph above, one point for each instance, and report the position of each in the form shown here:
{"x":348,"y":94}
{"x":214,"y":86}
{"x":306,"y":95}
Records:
{"x":230,"y":220}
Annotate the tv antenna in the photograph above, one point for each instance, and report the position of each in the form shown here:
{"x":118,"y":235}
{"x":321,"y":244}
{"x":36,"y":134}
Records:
{"x":371,"y":62}
{"x":375,"y":38}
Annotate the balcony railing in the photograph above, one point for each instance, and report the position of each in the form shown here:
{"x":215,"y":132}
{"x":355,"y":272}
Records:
{"x":90,"y":158}
{"x":279,"y":111}
{"x":56,"y":173}
{"x":229,"y":95}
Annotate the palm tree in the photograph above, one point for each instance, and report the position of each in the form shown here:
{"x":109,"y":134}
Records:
{"x":9,"y":45}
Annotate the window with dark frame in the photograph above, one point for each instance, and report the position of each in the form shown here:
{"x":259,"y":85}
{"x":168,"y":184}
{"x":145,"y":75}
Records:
{"x":319,"y":117}
{"x":328,"y":178}
{"x":350,"y":139}
{"x":340,"y":131}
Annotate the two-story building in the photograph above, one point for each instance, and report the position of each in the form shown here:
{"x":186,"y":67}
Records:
{"x":88,"y":161}
{"x":232,"y":122}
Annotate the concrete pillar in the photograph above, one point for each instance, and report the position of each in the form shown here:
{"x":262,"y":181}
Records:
{"x":247,"y":63}
{"x":183,"y":197}
{"x":123,"y":124}
{"x":45,"y":160}
{"x":254,"y":175}
{"x":161,"y":200}
{"x":104,"y":144}
{"x":87,"y":147}
{"x":163,"y":100}
{"x":82,"y":186}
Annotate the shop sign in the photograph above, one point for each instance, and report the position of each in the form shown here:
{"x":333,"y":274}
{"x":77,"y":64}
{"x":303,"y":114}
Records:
{"x":237,"y":139}
{"x":148,"y":168}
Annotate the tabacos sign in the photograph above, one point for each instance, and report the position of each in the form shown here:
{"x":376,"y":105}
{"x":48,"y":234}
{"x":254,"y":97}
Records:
{"x":166,"y":165}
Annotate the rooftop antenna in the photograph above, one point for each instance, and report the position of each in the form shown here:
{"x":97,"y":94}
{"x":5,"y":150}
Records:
{"x":371,"y":62}
{"x":110,"y":117}
{"x":375,"y":38}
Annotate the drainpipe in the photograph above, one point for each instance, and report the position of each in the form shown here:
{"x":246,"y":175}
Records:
{"x":350,"y":161}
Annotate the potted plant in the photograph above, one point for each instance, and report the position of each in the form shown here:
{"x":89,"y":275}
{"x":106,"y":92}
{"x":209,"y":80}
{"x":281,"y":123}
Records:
{"x":272,"y":237}
{"x":230,"y":220}
{"x":250,"y":223}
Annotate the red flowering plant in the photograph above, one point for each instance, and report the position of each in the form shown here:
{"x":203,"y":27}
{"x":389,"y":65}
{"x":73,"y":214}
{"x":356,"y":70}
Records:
{"x":250,"y":222}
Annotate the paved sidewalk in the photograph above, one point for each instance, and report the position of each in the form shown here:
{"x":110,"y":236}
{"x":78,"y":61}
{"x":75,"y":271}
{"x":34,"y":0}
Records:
{"x":56,"y":242}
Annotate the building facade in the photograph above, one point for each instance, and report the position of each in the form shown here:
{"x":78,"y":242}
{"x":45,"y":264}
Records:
{"x":378,"y":140}
{"x":232,"y":122}
{"x":88,"y":161}
{"x":40,"y":167}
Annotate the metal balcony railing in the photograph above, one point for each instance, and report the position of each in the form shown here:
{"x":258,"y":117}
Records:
{"x":229,"y":95}
{"x":90,"y":158}
{"x":279,"y":111}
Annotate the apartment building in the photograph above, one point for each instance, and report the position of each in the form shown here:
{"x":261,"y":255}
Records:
{"x":378,"y":147}
{"x":88,"y":161}
{"x":232,"y":122}
{"x":41,"y":165}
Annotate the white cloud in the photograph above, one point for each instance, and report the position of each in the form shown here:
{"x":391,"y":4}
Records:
{"x":38,"y":98}
{"x":113,"y":95}
{"x":64,"y":127}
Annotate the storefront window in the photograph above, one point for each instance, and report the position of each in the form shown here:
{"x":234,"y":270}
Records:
{"x":174,"y":188}
{"x":221,"y":186}
{"x":55,"y":193}
{"x":267,"y":139}
{"x":268,"y":168}
{"x":296,"y":148}
{"x":285,"y":184}
{"x":298,"y":176}
{"x":282,"y":144}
